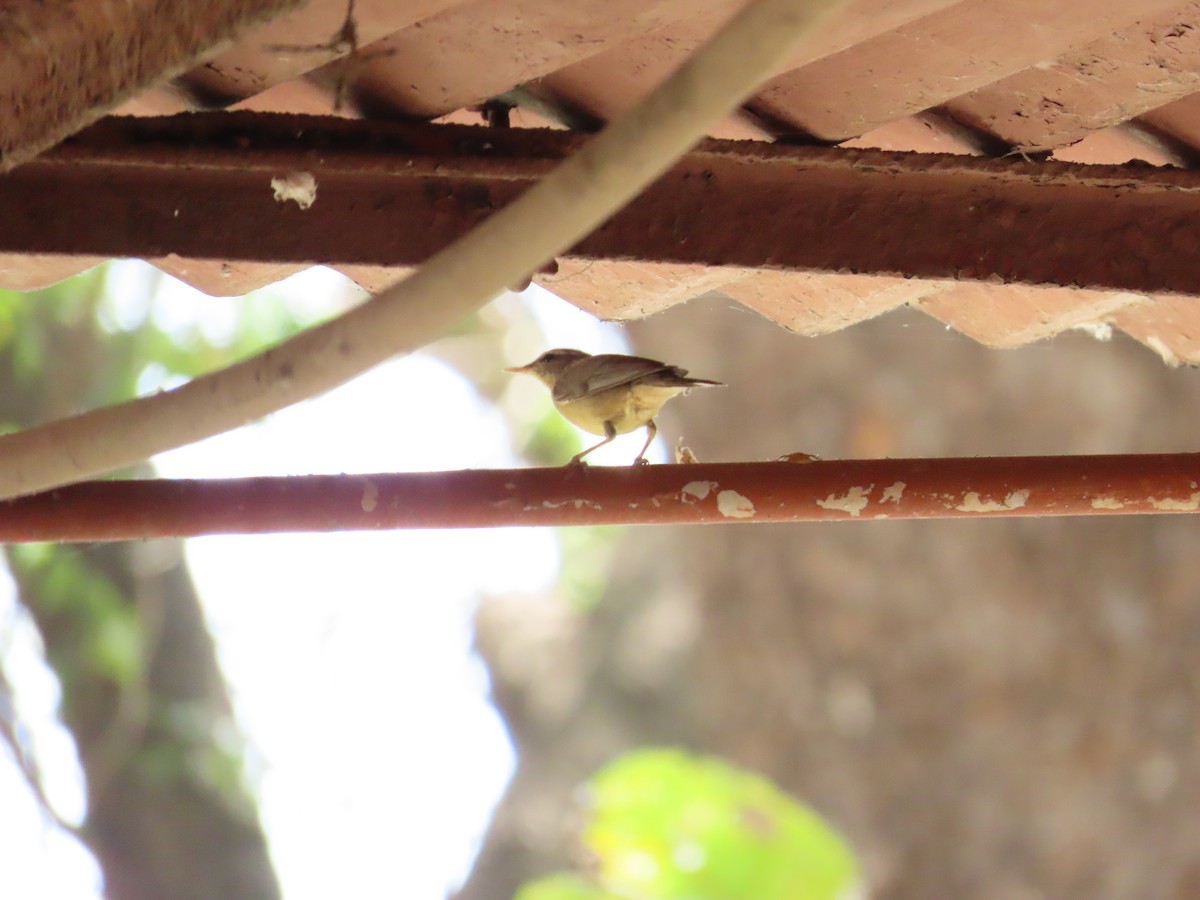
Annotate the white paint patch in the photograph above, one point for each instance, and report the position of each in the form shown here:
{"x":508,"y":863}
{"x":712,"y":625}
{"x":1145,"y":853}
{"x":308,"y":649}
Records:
{"x":300,"y":187}
{"x":854,"y":502}
{"x":973,"y":503}
{"x":370,"y":496}
{"x":577,"y":503}
{"x":893,"y":493}
{"x":684,"y":455}
{"x":733,"y":505}
{"x":1169,"y":505}
{"x":1016,"y":499}
{"x":1155,"y":343}
{"x":699,"y":489}
{"x":1107,"y":503}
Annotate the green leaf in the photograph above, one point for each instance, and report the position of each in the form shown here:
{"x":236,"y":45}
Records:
{"x":116,"y":646}
{"x":666,"y":824}
{"x":563,"y":886}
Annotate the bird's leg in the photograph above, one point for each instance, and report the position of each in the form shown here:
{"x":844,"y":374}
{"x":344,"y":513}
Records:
{"x":641,"y":457}
{"x":609,"y":434}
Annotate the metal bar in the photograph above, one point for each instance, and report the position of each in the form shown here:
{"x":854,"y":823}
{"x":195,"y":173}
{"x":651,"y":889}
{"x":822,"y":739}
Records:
{"x":393,"y":193}
{"x":66,"y":63}
{"x":729,"y":493}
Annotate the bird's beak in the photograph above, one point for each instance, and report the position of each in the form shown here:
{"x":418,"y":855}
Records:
{"x":518,"y":370}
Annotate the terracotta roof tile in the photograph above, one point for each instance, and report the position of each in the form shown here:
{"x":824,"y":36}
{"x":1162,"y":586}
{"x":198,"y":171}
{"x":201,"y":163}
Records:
{"x":1096,"y":81}
{"x":1093,"y":87}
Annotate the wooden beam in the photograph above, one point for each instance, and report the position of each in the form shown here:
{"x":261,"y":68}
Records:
{"x":391,"y":194}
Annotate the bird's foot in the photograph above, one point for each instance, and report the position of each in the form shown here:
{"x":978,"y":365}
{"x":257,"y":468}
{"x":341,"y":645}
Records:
{"x":641,"y":461}
{"x":798,"y":457}
{"x":575,"y":464}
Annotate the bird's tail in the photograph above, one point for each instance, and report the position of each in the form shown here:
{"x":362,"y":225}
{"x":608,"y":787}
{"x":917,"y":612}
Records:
{"x":682,"y":374}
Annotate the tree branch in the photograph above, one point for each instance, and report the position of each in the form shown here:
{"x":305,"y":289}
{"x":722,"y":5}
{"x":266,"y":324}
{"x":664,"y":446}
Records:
{"x":575,"y":198}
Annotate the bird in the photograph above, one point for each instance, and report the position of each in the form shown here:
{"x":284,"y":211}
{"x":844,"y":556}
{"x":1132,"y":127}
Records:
{"x":610,"y":393}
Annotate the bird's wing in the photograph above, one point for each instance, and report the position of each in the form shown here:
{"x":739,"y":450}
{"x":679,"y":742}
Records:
{"x":599,"y":373}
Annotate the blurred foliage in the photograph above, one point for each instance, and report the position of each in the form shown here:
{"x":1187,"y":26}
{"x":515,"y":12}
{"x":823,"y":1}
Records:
{"x":662,"y":824}
{"x":90,"y":340}
{"x":102,"y":337}
{"x":564,"y":887}
{"x":98,"y":337}
{"x":101,"y":636}
{"x":587,"y":555}
{"x":551,"y":440}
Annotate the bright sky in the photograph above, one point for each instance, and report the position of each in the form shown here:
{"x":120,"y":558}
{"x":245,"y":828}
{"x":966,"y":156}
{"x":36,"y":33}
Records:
{"x":348,"y":655}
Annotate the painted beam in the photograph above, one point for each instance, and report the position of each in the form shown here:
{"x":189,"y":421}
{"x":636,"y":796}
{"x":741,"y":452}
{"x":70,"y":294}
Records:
{"x":238,"y":186}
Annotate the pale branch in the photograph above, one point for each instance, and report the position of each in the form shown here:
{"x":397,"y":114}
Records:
{"x":574,"y":199}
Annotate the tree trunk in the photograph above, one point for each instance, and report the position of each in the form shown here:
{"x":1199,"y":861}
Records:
{"x":168,"y":815}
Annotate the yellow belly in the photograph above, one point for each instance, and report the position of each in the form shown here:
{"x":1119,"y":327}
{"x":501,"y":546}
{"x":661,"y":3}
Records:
{"x":625,"y":407}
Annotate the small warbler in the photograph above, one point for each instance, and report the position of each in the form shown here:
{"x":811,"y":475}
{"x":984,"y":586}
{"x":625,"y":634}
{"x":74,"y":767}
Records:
{"x":609,"y":394}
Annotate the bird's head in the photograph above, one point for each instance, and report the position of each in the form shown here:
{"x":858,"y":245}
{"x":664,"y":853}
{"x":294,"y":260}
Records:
{"x":550,"y":365}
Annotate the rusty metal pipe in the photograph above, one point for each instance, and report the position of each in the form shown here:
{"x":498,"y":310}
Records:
{"x":841,"y":490}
